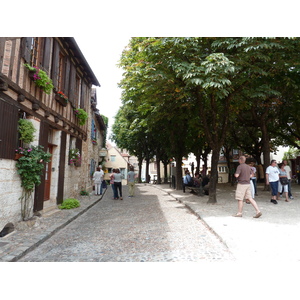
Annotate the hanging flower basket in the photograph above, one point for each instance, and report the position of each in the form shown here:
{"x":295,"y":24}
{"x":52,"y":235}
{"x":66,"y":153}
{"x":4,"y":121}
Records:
{"x":62,"y":99}
{"x":74,"y":157}
{"x":40,"y":78}
{"x":18,"y":155}
{"x":94,"y":142}
{"x":21,"y":152}
{"x":81,"y":114}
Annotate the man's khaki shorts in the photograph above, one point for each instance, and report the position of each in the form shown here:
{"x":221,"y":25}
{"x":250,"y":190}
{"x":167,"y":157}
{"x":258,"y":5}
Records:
{"x":243,"y":191}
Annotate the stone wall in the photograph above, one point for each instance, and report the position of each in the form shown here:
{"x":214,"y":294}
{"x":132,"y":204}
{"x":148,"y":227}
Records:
{"x":10,"y":192}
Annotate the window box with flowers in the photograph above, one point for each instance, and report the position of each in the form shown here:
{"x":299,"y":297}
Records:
{"x":74,"y":157}
{"x":21,"y":152}
{"x":61,"y":98}
{"x":81,"y":114}
{"x":40,"y":78}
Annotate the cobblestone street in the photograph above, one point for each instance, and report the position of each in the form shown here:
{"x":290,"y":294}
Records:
{"x":150,"y":227}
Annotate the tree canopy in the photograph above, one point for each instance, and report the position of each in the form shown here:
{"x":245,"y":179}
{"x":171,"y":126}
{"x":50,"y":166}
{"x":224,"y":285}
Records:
{"x":184,"y":94}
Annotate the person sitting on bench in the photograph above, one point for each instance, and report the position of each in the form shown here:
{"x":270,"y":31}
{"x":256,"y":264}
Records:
{"x":187,"y":180}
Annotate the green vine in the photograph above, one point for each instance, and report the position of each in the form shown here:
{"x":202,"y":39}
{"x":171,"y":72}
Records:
{"x":105,"y":120}
{"x":26,"y":130}
{"x":30,"y":167}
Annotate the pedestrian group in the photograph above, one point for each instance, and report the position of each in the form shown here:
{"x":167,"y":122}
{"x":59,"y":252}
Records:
{"x":277,"y":177}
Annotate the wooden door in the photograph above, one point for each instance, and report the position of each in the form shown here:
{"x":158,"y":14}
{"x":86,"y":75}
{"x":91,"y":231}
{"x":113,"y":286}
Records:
{"x":48,"y":169}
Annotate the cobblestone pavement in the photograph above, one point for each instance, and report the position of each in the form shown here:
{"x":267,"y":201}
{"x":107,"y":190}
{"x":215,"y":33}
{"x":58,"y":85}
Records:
{"x":150,"y":227}
{"x":274,"y":237}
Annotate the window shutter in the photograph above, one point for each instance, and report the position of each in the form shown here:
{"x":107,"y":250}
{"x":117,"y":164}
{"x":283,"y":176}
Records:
{"x":72,"y":84}
{"x":93,"y":132}
{"x":83,"y":93}
{"x":26,"y":48}
{"x":67,"y":76}
{"x":8,"y":130}
{"x":55,"y":64}
{"x":47,"y":53}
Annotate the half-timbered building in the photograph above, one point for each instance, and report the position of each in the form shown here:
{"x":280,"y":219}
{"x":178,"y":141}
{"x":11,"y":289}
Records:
{"x":53,"y":114}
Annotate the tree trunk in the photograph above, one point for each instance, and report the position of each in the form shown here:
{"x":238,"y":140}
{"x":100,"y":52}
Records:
{"x":212,"y":198}
{"x":158,"y":170}
{"x":140,"y":163}
{"x":147,"y":170}
{"x":198,"y":158}
{"x":178,"y":172}
{"x":166,"y":172}
{"x":265,"y":149}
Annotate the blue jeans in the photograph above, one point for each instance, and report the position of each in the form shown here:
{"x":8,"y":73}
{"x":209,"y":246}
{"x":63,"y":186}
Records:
{"x":254,"y":184}
{"x":118,"y":186}
{"x":289,"y":188}
{"x":115,"y":192}
{"x":274,"y":188}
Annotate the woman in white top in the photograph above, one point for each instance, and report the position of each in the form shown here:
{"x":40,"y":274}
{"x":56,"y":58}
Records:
{"x":118,"y":184}
{"x":284,"y":187}
{"x":98,"y":177}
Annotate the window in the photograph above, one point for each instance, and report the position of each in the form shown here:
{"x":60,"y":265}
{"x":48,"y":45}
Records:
{"x":93,"y":130}
{"x":235,"y":151}
{"x":112,"y":158}
{"x":77,"y":91}
{"x":35,"y":51}
{"x":223,"y":169}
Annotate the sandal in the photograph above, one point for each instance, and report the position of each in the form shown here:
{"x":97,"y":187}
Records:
{"x":238,"y":215}
{"x":286,"y":200}
{"x":257,"y":215}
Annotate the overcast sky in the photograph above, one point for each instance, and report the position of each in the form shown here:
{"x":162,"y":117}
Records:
{"x":103,"y":55}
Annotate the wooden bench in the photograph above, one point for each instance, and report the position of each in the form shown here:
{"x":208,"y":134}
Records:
{"x":196,"y":190}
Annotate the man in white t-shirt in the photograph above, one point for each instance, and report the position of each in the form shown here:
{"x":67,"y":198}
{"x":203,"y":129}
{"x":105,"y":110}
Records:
{"x":272,"y":178}
{"x":289,"y":176}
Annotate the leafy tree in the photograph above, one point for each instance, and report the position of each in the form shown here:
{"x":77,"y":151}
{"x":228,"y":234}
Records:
{"x":169,"y":79}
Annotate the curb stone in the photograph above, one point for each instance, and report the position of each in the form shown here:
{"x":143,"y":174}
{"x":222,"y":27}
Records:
{"x":21,"y":250}
{"x":196,"y":214}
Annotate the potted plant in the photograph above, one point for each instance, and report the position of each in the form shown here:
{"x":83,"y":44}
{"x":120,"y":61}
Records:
{"x":40,"y":78}
{"x":61,"y":98}
{"x":81,"y":115}
{"x":20,"y":152}
{"x":26,"y":130}
{"x":74,"y":156}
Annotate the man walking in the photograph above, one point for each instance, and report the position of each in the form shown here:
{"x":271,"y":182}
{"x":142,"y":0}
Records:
{"x":131,"y":179}
{"x":243,"y":190}
{"x":272,"y":178}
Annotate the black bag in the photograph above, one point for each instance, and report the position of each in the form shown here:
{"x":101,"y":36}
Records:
{"x":104,"y":185}
{"x":283,"y":180}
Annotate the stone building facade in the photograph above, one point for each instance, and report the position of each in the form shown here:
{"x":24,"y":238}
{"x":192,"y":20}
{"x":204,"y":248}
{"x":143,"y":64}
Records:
{"x":58,"y":127}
